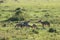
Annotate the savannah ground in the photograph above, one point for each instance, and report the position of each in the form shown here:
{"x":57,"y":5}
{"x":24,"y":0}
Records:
{"x":34,"y":10}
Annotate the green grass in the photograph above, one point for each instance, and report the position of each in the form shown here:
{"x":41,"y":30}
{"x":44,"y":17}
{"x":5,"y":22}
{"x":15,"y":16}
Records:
{"x":34,"y":11}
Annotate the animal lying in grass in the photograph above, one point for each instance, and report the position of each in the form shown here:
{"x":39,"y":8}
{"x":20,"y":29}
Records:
{"x":34,"y":26}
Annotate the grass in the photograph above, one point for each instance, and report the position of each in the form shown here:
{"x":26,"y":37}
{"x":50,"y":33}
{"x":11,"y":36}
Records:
{"x":34,"y":11}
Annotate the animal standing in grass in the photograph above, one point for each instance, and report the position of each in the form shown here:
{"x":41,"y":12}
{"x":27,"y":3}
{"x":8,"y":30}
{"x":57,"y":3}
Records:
{"x":44,"y":23}
{"x":22,"y":24}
